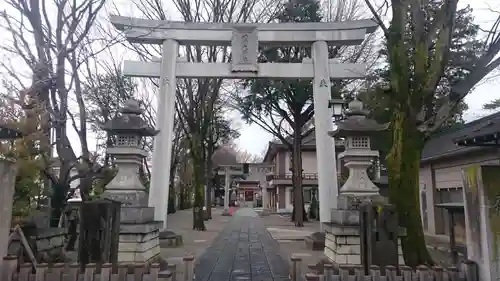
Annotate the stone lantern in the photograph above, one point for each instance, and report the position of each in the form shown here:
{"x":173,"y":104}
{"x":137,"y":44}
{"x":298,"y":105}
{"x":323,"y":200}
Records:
{"x":343,"y":232}
{"x":128,"y":128}
{"x":139,"y":232}
{"x":358,"y":156}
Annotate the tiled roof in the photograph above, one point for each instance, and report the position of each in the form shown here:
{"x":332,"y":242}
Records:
{"x":308,"y":142}
{"x":443,"y":144}
{"x":309,"y":137}
{"x":483,"y":132}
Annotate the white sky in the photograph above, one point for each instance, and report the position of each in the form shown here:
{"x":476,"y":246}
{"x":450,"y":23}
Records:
{"x":254,"y":139}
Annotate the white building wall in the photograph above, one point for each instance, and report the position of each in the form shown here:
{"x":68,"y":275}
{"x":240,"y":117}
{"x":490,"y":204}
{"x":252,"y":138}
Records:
{"x":309,"y":162}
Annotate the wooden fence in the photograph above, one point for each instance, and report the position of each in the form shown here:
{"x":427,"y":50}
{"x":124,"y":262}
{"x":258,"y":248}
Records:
{"x":11,"y":271}
{"x":467,"y":272}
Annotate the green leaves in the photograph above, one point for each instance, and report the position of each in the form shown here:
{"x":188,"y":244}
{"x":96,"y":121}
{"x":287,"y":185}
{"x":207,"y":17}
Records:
{"x":281,"y":106}
{"x":390,"y":93}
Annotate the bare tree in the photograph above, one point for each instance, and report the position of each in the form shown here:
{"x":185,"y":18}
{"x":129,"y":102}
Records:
{"x":242,"y":155}
{"x":247,"y":157}
{"x":48,"y":38}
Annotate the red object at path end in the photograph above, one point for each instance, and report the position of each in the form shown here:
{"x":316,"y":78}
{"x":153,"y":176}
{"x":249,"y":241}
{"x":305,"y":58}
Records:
{"x":232,"y":210}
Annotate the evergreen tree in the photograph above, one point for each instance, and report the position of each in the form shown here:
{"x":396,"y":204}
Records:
{"x":291,"y":100}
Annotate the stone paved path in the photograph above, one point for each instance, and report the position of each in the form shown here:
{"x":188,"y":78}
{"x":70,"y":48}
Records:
{"x":243,"y":251}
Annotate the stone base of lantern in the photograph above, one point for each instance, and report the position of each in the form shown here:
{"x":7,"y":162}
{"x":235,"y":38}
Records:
{"x":139,"y":242}
{"x":343,"y":245}
{"x":342,"y":235}
{"x":139,"y":232}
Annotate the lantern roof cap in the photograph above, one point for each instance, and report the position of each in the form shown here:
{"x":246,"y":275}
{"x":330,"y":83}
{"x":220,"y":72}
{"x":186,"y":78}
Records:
{"x":356,"y":108}
{"x":129,"y":121}
{"x":357,"y":122}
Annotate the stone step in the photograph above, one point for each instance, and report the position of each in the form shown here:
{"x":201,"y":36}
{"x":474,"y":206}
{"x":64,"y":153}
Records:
{"x":169,"y":239}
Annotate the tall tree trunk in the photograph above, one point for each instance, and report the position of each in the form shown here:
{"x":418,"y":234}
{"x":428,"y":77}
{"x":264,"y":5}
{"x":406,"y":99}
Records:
{"x":59,"y":192}
{"x":198,"y":182}
{"x":208,"y":177}
{"x":404,"y":165}
{"x":298,"y":191}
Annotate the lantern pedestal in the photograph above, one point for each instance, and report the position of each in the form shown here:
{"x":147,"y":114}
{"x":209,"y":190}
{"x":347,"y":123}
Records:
{"x":343,"y":233}
{"x":139,"y":232}
{"x":358,"y":183}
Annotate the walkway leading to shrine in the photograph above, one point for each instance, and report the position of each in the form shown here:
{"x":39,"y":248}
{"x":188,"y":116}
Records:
{"x":243,"y":251}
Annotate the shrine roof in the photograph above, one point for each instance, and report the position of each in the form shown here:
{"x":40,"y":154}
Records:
{"x":308,"y":144}
{"x":447,"y":143}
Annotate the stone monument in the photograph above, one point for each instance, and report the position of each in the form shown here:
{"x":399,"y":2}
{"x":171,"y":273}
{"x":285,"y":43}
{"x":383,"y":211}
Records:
{"x":342,"y":238}
{"x":139,"y":232}
{"x":8,"y":171}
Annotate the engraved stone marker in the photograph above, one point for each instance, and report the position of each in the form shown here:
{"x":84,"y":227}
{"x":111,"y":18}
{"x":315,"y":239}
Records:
{"x":244,"y":46}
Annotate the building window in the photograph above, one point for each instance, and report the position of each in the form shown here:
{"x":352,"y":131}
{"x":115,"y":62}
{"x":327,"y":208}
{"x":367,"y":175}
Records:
{"x":450,"y":195}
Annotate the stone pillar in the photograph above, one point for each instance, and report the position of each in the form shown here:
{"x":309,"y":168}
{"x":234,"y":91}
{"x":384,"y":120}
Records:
{"x":8,"y":172}
{"x":162,"y":155}
{"x":227,"y":183}
{"x":266,"y":208}
{"x":325,"y":145}
{"x":482,"y":219}
{"x":265,"y":196}
{"x":288,"y":198}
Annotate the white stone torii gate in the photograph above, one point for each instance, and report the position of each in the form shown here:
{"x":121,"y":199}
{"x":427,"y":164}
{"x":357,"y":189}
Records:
{"x":244,"y":40}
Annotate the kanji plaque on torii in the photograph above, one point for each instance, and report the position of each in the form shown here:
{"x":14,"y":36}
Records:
{"x":244,"y":46}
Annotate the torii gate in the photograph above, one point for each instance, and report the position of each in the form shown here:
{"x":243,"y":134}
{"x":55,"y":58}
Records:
{"x":244,"y":40}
